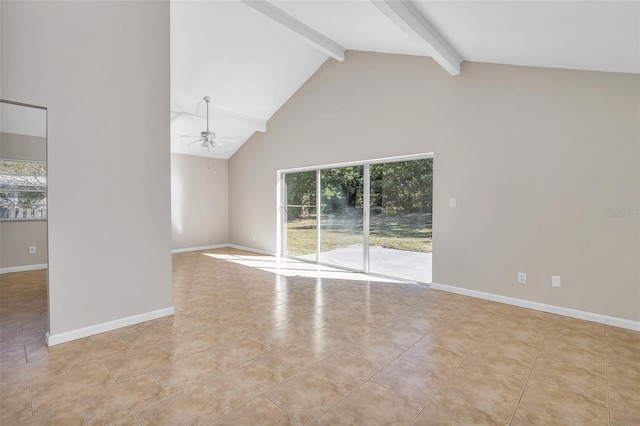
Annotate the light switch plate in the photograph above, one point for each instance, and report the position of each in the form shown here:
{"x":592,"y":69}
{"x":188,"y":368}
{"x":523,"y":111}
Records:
{"x":522,"y":277}
{"x":452,"y":202}
{"x":555,"y":281}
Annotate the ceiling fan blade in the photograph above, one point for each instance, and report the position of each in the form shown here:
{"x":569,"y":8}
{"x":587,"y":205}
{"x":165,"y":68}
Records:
{"x":224,"y":139}
{"x":190,"y":136}
{"x":197,"y":140}
{"x":185,"y":113}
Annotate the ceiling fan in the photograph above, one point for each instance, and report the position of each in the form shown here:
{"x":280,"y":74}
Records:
{"x":208,"y":139}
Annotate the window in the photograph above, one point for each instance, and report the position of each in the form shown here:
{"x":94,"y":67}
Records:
{"x":23,"y":190}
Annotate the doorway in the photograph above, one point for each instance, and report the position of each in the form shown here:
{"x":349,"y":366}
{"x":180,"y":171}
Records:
{"x":24,"y":316}
{"x":326,"y":219}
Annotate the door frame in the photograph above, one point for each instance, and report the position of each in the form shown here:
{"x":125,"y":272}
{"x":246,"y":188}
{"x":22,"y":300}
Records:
{"x":281,"y":217}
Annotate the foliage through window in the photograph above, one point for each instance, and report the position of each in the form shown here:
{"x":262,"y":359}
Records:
{"x":23,"y":190}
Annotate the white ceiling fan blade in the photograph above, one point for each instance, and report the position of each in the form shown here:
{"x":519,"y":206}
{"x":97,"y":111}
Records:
{"x":185,"y":113}
{"x":190,"y":136}
{"x":224,"y":139}
{"x":197,"y":140}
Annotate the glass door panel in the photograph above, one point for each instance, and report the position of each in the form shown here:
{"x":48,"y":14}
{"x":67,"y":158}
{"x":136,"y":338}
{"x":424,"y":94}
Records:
{"x":341,"y":224}
{"x":300,"y":215}
{"x":400,"y":202}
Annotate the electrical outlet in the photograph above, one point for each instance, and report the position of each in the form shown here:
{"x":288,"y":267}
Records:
{"x":522,"y":277}
{"x":555,"y":281}
{"x":254,"y":238}
{"x":32,"y":249}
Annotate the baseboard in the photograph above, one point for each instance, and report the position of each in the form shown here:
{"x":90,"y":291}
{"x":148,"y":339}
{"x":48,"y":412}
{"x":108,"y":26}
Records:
{"x":219,"y":246}
{"x":188,"y":249}
{"x":23,"y":268}
{"x":56,"y":339}
{"x":253,"y":250}
{"x":559,"y":310}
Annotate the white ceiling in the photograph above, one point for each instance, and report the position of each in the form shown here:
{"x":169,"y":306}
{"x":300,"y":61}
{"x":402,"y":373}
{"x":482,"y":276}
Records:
{"x":250,"y":64}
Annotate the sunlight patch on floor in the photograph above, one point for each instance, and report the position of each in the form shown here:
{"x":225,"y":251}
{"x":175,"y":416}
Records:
{"x":293,"y":268}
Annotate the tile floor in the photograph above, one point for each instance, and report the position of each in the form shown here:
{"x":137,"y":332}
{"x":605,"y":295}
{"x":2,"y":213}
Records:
{"x":250,"y":347}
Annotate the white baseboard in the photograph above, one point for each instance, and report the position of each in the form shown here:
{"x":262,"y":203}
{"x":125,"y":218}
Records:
{"x":188,"y":249}
{"x":219,"y":246}
{"x":23,"y":268}
{"x":253,"y":250}
{"x":56,"y":339}
{"x":559,"y":310}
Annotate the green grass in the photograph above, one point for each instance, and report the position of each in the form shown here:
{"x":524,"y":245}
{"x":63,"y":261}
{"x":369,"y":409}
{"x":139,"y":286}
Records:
{"x":409,"y":232}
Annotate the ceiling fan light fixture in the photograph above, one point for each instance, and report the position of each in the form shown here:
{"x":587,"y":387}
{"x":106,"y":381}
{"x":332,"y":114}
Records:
{"x":208,"y":139}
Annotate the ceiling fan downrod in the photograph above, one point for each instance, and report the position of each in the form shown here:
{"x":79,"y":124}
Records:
{"x":207,"y":99}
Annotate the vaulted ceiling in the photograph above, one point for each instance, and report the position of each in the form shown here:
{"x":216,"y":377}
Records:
{"x":252,"y":56}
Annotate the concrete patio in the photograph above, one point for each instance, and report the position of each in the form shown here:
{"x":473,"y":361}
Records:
{"x":408,"y":265}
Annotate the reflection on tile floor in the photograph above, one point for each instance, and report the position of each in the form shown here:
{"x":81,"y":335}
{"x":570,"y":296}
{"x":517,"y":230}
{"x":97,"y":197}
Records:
{"x":249,"y":346}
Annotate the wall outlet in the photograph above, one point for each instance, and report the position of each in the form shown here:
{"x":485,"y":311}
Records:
{"x":254,"y":238}
{"x":522,"y":277}
{"x":32,"y":249}
{"x":555,"y":281}
{"x":452,"y":202}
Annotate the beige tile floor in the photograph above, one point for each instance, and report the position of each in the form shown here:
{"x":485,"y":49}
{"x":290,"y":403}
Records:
{"x":251,"y":347}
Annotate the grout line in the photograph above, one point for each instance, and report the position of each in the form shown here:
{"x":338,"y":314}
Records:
{"x":30,"y":401}
{"x":161,"y":385}
{"x":104,"y":364}
{"x":84,"y":414}
{"x":529,"y":377}
{"x":135,"y":416}
{"x":349,"y":392}
{"x":285,"y":411}
{"x":447,"y":379}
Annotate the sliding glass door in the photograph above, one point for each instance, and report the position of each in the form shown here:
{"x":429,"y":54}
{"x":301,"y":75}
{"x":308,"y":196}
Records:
{"x":341,"y":224}
{"x":300,"y":215}
{"x":327,"y":219}
{"x":400,"y":226}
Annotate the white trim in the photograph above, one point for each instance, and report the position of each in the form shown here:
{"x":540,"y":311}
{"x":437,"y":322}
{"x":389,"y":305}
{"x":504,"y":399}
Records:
{"x":188,"y":249}
{"x":301,"y":30}
{"x":253,"y":250}
{"x":24,"y":268}
{"x":559,"y":310}
{"x":318,"y":215}
{"x":220,"y":246}
{"x":411,"y":21}
{"x":360,"y":163}
{"x":56,"y":339}
{"x":281,"y":214}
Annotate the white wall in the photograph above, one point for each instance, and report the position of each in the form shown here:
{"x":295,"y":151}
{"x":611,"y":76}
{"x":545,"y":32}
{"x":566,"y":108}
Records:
{"x":535,"y":157}
{"x":102,"y":70}
{"x":199,"y":207}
